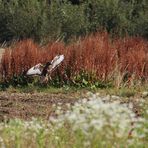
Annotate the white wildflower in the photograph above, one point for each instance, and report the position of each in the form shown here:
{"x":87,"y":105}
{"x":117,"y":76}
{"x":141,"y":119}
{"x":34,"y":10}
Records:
{"x":115,"y":97}
{"x":145,"y":94}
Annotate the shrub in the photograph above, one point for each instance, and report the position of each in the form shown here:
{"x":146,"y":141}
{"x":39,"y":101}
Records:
{"x":119,"y":17}
{"x":23,"y":19}
{"x":66,"y":21}
{"x":91,"y":59}
{"x":61,"y":20}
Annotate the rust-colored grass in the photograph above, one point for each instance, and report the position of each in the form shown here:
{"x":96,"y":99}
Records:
{"x":96,"y":54}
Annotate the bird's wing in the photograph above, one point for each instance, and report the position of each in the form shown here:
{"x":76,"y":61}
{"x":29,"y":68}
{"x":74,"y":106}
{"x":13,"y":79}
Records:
{"x":56,"y":62}
{"x":35,"y":70}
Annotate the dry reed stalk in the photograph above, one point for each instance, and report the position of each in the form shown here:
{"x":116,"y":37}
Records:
{"x":96,"y":54}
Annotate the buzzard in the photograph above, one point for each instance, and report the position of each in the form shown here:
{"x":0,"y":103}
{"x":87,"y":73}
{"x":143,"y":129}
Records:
{"x":44,"y":71}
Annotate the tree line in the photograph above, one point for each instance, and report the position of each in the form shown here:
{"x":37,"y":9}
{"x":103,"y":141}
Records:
{"x":44,"y":20}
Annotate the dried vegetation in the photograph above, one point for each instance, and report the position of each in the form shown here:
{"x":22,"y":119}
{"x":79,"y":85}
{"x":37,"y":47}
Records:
{"x":98,"y":55}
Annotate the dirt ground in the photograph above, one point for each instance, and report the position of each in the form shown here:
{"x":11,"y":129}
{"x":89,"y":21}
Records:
{"x":27,"y":105}
{"x":40,"y":105}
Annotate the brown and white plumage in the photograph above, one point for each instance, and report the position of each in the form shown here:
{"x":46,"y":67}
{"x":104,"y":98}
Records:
{"x":45,"y":71}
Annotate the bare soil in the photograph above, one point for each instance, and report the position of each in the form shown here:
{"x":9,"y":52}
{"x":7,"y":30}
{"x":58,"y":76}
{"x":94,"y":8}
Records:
{"x":27,"y":105}
{"x":40,"y":105}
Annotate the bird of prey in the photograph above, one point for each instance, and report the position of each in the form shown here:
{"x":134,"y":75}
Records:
{"x":44,"y":71}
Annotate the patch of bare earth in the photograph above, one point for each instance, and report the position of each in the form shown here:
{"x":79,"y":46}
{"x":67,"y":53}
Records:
{"x":26,"y":105}
{"x":42,"y":105}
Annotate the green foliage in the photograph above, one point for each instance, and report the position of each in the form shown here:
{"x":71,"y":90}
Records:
{"x":66,"y":20}
{"x":16,"y":81}
{"x":62,"y":20}
{"x":126,"y":92}
{"x":23,"y":19}
{"x":19,"y":81}
{"x":117,"y":16}
{"x":85,"y":79}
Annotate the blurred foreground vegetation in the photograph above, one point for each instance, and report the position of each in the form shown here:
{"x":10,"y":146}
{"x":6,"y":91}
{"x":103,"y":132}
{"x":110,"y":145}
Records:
{"x":90,"y":122}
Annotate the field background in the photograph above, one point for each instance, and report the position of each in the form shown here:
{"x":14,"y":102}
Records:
{"x":97,"y":97}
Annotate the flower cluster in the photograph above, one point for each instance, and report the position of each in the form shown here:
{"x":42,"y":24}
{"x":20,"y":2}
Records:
{"x":99,"y":117}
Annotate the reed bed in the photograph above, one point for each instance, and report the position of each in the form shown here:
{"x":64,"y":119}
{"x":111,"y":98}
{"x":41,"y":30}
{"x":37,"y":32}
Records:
{"x":96,"y":54}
